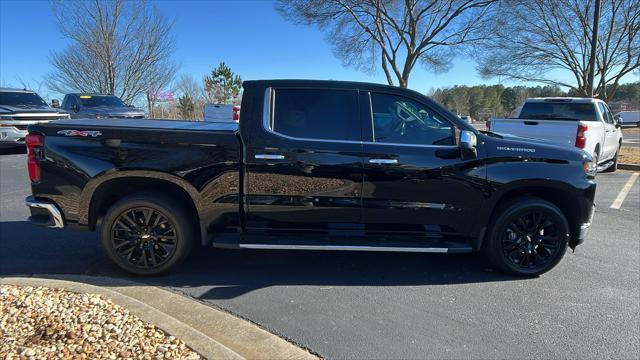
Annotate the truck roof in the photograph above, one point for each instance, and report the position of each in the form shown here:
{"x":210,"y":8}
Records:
{"x":4,"y":89}
{"x":563,"y":99}
{"x":327,"y":83}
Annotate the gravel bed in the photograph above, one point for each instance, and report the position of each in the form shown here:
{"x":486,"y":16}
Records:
{"x":48,"y":323}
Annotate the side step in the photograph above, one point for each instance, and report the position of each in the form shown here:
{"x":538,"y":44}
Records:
{"x":605,"y":166}
{"x":452,"y":249}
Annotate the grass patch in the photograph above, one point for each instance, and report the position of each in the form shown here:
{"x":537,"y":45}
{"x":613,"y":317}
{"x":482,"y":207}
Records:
{"x":629,"y":155}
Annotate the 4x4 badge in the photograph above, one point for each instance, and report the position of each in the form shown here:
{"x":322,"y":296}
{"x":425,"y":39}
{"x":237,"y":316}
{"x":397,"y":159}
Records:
{"x":93,"y":133}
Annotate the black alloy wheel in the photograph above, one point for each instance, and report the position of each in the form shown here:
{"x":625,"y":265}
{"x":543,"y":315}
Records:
{"x":148,"y":233}
{"x":143,"y":237}
{"x":528,"y":236}
{"x":531,"y":240}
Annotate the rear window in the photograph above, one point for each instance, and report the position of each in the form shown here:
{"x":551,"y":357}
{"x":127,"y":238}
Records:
{"x":317,"y":114}
{"x":558,"y":111}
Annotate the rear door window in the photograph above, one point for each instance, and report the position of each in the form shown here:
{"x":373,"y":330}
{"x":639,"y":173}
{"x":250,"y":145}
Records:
{"x":317,"y":114}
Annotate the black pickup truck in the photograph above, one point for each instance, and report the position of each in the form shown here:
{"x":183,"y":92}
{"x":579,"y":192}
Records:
{"x":312,"y":165}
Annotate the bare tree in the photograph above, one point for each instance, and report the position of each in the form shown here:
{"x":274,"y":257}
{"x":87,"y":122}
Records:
{"x":117,"y":47}
{"x":188,"y":85}
{"x":531,"y":38}
{"x":191,"y":91}
{"x":393,"y":34}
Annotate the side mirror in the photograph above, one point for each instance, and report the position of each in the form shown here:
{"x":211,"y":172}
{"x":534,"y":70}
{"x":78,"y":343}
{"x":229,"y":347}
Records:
{"x":467,"y":145}
{"x":617,"y":120}
{"x":55,"y":104}
{"x":75,"y":108}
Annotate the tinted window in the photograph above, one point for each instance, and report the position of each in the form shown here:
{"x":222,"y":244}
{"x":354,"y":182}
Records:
{"x":606,"y":114}
{"x":101,"y":100}
{"x":400,"y":120}
{"x":317,"y":114}
{"x":69,"y":103}
{"x":558,"y":111}
{"x":21,"y":99}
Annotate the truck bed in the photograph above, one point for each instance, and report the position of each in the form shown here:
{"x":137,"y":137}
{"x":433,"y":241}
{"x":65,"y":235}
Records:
{"x":152,"y":124}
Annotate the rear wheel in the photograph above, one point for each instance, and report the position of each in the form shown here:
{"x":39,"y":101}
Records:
{"x":147,"y":234}
{"x":527,"y":238}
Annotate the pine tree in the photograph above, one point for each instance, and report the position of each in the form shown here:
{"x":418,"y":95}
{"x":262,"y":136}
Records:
{"x":222,"y":86}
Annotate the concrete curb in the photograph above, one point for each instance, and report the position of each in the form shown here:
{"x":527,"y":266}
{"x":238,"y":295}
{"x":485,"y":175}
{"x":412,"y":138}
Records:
{"x":212,"y":333}
{"x":633,"y":167}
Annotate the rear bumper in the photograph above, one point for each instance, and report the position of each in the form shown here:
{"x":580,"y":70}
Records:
{"x":44,"y":213}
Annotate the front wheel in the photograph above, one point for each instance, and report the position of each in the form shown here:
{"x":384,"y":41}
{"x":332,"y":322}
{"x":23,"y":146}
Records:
{"x":147,"y":234}
{"x":528,"y":237}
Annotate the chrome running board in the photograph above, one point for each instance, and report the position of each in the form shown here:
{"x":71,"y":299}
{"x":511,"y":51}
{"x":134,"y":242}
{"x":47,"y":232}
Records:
{"x":461,"y":249}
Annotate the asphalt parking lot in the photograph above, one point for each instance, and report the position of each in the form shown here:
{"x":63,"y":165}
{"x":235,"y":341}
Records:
{"x":376,"y":305}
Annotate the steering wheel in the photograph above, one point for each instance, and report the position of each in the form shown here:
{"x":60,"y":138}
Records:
{"x":406,"y":114}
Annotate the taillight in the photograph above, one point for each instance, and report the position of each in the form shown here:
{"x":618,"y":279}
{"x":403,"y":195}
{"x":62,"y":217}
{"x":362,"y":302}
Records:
{"x":236,"y":113}
{"x":34,"y":147}
{"x":581,"y":140}
{"x":487,"y":124}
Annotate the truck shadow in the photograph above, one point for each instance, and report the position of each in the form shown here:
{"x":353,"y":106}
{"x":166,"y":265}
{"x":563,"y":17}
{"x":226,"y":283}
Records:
{"x":226,"y":274}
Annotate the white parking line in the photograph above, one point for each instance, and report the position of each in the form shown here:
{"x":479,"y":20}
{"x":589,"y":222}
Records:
{"x":624,"y":191}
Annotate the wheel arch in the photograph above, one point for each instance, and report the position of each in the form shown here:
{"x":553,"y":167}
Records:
{"x":102,"y":192}
{"x":557,"y":194}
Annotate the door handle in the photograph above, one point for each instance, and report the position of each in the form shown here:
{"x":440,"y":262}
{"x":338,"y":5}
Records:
{"x":383,"y":161}
{"x":269,"y":156}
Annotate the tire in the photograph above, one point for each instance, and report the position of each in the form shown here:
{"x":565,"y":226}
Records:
{"x":613,"y":166}
{"x":517,"y":247}
{"x":152,"y":248}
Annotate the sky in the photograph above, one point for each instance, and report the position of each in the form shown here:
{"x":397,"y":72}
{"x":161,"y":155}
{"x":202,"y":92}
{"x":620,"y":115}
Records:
{"x":249,"y":36}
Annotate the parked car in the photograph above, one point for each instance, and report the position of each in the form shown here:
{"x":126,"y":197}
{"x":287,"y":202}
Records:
{"x":312,"y":165}
{"x":221,"y":113}
{"x":628,"y":118}
{"x":20,"y":108}
{"x":584,"y":123}
{"x":99,"y":106}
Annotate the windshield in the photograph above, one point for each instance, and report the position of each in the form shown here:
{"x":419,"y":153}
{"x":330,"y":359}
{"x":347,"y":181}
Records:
{"x":100,"y":100}
{"x":558,"y":111}
{"x":21,"y":99}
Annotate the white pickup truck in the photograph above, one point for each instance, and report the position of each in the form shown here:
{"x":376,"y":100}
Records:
{"x":581,"y":122}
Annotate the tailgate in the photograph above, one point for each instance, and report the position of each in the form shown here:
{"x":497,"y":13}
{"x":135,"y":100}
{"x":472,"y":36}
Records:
{"x":555,"y":131}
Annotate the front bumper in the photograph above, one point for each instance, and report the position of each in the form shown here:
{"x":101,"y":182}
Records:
{"x":11,"y":136}
{"x":584,"y":229}
{"x":44,"y":213}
